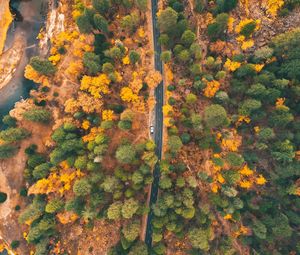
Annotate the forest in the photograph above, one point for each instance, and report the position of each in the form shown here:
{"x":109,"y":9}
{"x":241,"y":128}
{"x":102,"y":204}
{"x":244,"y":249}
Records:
{"x":229,"y":174}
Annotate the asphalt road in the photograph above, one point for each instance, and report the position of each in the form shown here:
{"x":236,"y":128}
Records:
{"x":158,"y":130}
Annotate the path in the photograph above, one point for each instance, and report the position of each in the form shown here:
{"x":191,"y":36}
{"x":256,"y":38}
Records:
{"x":158,"y":135}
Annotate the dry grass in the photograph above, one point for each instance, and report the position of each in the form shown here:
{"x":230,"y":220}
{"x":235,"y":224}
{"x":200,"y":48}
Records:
{"x":6,"y":19}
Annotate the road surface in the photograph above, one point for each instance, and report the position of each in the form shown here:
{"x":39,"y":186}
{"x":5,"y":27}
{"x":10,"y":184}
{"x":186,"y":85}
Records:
{"x":158,"y":131}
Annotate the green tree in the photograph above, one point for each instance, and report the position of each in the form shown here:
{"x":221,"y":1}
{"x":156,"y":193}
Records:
{"x":134,"y":56}
{"x":102,"y":6}
{"x":139,"y":248}
{"x":125,"y":154}
{"x":249,"y":106}
{"x":248,"y":29}
{"x":141,"y":4}
{"x":217,"y":29}
{"x":167,"y":19}
{"x":38,"y":115}
{"x":41,"y":171}
{"x":91,"y":62}
{"x":82,"y":187}
{"x":42,"y":66}
{"x":129,"y":208}
{"x":174,"y":143}
{"x":199,"y":238}
{"x":101,"y":23}
{"x":130,"y":22}
{"x":114,"y":210}
{"x":131,"y":231}
{"x":166,"y":56}
{"x":215,"y":116}
{"x":188,"y":37}
{"x":9,"y":121}
{"x":54,"y":205}
{"x":14,"y":134}
{"x":191,"y":98}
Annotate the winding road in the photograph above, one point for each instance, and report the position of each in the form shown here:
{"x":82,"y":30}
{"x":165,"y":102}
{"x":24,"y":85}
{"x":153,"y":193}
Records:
{"x":158,"y":134}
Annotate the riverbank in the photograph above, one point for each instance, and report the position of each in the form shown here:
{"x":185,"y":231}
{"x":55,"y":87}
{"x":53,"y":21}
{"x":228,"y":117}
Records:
{"x":6,"y":19}
{"x":10,"y":59}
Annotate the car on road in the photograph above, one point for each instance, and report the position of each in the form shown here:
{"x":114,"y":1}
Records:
{"x":151,"y":130}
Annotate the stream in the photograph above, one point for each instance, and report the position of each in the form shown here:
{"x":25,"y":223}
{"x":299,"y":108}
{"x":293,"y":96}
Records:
{"x":29,"y":19}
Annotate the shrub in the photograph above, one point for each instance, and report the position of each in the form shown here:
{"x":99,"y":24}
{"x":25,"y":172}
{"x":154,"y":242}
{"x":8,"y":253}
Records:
{"x":38,"y":115}
{"x":215,"y":116}
{"x":42,"y":66}
{"x":15,"y":244}
{"x":125,"y":154}
{"x":248,"y":29}
{"x":81,"y":187}
{"x":167,"y":19}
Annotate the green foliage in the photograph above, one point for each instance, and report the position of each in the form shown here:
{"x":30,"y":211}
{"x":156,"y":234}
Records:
{"x":54,"y":205}
{"x":102,"y":6}
{"x":129,"y":208}
{"x":248,"y":29}
{"x":14,"y":134}
{"x":101,"y":23}
{"x":38,"y":115}
{"x":114,"y":211}
{"x":188,"y":37}
{"x":166,"y":56}
{"x":174,"y":143}
{"x":139,"y":248}
{"x":34,"y":210}
{"x":199,"y":238}
{"x":131,"y":231}
{"x":15,"y":244}
{"x":215,"y":116}
{"x":42,"y":66}
{"x":234,"y":159}
{"x":141,"y":4}
{"x":9,"y":121}
{"x":91,"y":62}
{"x":134,"y":57}
{"x":7,"y":151}
{"x":216,"y":30}
{"x":41,"y":171}
{"x":167,"y":19}
{"x":81,"y":187}
{"x":125,"y":154}
{"x":130,"y":22}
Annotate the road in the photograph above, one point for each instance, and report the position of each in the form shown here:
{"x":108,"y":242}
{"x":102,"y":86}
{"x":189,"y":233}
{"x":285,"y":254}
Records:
{"x":158,"y":133}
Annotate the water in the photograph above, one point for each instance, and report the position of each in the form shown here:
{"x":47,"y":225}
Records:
{"x":28,"y":23}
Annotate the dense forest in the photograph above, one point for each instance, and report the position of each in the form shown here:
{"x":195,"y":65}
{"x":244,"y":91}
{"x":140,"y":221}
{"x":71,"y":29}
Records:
{"x":230,"y":171}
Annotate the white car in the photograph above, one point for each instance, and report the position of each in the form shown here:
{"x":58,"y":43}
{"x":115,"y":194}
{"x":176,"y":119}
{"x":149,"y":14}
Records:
{"x":151,"y":130}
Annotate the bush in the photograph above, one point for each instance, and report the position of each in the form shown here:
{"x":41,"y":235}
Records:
{"x":131,"y":231}
{"x":82,"y":187}
{"x":215,"y":116}
{"x":7,"y":151}
{"x":174,"y":143}
{"x":187,"y":38}
{"x":248,"y":29}
{"x":234,"y":159}
{"x":166,"y":56}
{"x":216,"y":30}
{"x":167,"y":19}
{"x":134,"y":57}
{"x":15,"y":244}
{"x":14,"y":134}
{"x":91,"y":62}
{"x":42,"y":66}
{"x":125,"y":154}
{"x":38,"y":115}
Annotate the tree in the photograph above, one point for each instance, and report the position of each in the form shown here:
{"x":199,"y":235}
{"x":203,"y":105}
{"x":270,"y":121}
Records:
{"x":9,"y":121}
{"x":14,"y":134}
{"x":139,"y":248}
{"x":102,"y":6}
{"x":84,"y":24}
{"x":174,"y":143}
{"x":184,"y":55}
{"x":110,"y":184}
{"x":248,"y":29}
{"x":166,"y":56}
{"x":281,"y":117}
{"x":167,"y":19}
{"x":191,"y":98}
{"x":130,"y":22}
{"x":249,"y":106}
{"x":54,"y":205}
{"x":91,"y":61}
{"x":131,"y":231}
{"x":283,"y":151}
{"x":41,"y":171}
{"x":141,"y":4}
{"x":114,"y":210}
{"x":199,"y":238}
{"x":134,"y":57}
{"x":82,"y":187}
{"x":259,"y":229}
{"x":217,"y":29}
{"x":215,"y":116}
{"x":107,"y":68}
{"x":7,"y":151}
{"x":125,"y":154}
{"x":188,"y":37}
{"x":129,"y":208}
{"x":42,"y":66}
{"x":101,"y":23}
{"x":38,"y":115}
{"x":3,"y":197}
